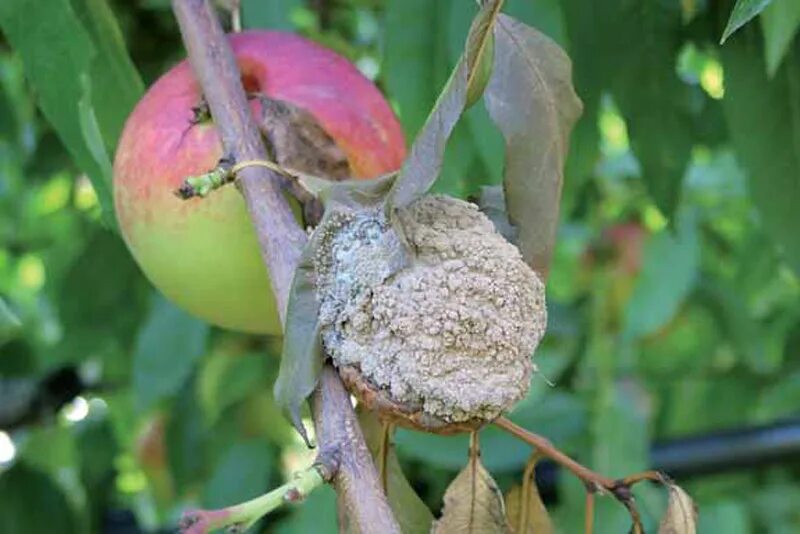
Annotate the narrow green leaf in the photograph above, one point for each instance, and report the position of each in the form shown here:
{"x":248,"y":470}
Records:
{"x":272,"y":15}
{"x":754,"y":103}
{"x":653,"y":99}
{"x":532,"y":101}
{"x":60,"y":42}
{"x":779,"y":22}
{"x":424,"y":162}
{"x":241,"y":473}
{"x":741,"y":14}
{"x":671,"y":263}
{"x":33,"y":503}
{"x":9,"y":322}
{"x":416,"y":61}
{"x":167,"y":347}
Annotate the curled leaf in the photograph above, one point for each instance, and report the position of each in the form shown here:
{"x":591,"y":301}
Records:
{"x":473,"y":504}
{"x":681,"y":514}
{"x":424,"y":162}
{"x":532,"y":101}
{"x":302,"y":357}
{"x":492,"y":202}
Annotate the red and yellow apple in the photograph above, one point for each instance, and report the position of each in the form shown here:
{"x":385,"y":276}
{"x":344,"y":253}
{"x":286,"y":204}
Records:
{"x":203,"y":253}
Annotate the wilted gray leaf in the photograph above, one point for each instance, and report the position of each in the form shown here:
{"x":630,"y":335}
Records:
{"x":681,"y":514}
{"x":424,"y":162}
{"x":531,"y":99}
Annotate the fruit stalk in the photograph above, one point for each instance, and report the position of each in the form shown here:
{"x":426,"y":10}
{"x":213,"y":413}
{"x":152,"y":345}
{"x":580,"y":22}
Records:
{"x":342,"y":448}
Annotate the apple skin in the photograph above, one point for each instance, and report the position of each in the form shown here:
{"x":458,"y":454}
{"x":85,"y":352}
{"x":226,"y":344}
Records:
{"x":203,"y":253}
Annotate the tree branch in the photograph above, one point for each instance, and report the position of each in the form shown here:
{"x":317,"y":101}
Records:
{"x":343,"y":453}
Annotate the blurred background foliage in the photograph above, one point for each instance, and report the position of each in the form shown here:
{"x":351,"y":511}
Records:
{"x":673,"y":297}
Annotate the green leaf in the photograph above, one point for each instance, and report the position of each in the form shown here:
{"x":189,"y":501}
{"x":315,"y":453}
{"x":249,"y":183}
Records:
{"x":226,"y":379}
{"x":242,"y":473}
{"x":9,"y":322}
{"x":531,"y":100}
{"x":188,"y":442}
{"x":91,"y":294}
{"x":653,"y":99}
{"x":669,"y":271}
{"x":779,"y":22}
{"x":32,"y":503}
{"x":272,"y":15}
{"x":742,"y":13}
{"x":167,"y":347}
{"x":424,"y":162}
{"x":303,"y":356}
{"x":85,"y":39}
{"x":754,"y":103}
{"x":316,"y":514}
{"x":473,"y":503}
{"x":415,"y":59}
{"x":411,"y":512}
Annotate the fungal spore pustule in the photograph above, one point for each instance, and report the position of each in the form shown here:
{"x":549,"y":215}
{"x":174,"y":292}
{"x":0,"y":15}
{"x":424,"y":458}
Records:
{"x":445,"y":319}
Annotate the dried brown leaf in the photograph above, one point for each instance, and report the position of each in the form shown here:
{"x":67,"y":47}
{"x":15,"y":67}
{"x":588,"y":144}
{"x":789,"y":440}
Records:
{"x":681,"y":514}
{"x":531,"y":99}
{"x":473,"y":504}
{"x":538,"y":520}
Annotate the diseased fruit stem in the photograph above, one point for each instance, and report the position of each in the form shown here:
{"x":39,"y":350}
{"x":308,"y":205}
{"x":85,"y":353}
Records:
{"x":344,"y":457}
{"x":594,"y":482}
{"x":243,"y":516}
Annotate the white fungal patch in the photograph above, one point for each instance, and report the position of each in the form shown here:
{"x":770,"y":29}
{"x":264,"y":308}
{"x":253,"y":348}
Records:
{"x":450,"y":330}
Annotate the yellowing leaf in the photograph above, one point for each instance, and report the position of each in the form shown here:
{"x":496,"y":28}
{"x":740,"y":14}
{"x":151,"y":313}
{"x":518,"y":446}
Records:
{"x":681,"y":515}
{"x":473,"y":504}
{"x":536,"y":520}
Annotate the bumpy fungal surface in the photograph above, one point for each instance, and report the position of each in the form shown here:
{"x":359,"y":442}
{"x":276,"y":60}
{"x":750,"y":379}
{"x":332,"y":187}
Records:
{"x":449,"y":327}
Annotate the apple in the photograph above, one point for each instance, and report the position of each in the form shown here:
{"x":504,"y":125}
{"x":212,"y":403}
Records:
{"x":203,"y":253}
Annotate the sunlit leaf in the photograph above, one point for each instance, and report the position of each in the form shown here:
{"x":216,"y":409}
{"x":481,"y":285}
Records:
{"x":409,"y":510}
{"x":743,"y":11}
{"x":780,"y":22}
{"x":754,"y":103}
{"x":681,"y":514}
{"x":473,"y":503}
{"x":532,"y":101}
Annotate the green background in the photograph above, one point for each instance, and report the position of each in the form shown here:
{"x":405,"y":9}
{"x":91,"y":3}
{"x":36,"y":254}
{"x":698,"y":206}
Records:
{"x":674,"y":294}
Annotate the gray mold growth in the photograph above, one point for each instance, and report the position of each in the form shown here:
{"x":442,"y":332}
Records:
{"x":451,"y":329}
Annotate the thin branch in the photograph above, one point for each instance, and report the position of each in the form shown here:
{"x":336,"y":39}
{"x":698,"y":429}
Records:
{"x":344,"y":456}
{"x":594,"y":482}
{"x":280,"y":237}
{"x":242,"y":516}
